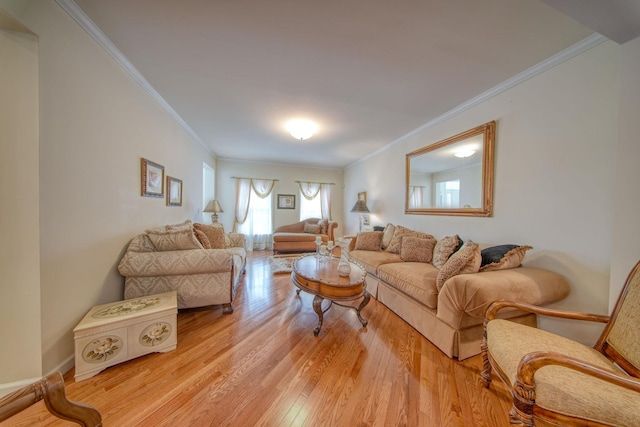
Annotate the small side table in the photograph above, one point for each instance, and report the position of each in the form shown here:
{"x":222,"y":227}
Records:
{"x":116,"y":332}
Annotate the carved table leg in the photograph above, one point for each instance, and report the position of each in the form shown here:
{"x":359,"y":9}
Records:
{"x":317,"y":307}
{"x":364,"y":302}
{"x":297,"y":291}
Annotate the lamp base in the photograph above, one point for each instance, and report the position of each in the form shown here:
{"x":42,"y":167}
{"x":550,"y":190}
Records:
{"x":214,"y":218}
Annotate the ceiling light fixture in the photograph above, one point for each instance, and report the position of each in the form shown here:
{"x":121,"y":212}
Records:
{"x":464,"y":153}
{"x":301,"y":129}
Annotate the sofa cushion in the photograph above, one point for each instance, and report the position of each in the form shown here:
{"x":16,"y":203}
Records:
{"x":503,"y":257}
{"x":415,"y":279}
{"x":416,"y":249}
{"x":387,"y":235}
{"x":465,"y":260}
{"x":312,"y":228}
{"x":174,"y":240}
{"x":324,"y":226}
{"x":202,"y":238}
{"x":396,"y":241}
{"x":444,"y":249}
{"x":214,"y":234}
{"x":294,"y":237}
{"x":369,"y":241}
{"x":371,"y":260}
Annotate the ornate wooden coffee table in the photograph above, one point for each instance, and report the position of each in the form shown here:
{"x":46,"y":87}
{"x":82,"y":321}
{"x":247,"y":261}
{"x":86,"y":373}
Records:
{"x":320,"y":277}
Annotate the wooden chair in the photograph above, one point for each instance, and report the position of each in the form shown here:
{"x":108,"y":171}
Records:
{"x":557,"y":381}
{"x":51,"y":389}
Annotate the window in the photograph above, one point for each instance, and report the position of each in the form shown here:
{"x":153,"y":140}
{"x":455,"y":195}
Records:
{"x":310,"y":208}
{"x":448,"y":194}
{"x":258,"y":227}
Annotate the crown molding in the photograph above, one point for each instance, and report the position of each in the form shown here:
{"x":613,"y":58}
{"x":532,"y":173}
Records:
{"x":87,"y":24}
{"x":551,"y":62}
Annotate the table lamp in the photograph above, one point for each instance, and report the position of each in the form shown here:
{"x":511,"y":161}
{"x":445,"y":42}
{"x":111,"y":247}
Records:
{"x":213,"y":206}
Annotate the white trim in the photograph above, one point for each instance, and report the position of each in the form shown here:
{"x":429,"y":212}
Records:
{"x":87,"y":24}
{"x":553,"y":61}
{"x":64,"y":367}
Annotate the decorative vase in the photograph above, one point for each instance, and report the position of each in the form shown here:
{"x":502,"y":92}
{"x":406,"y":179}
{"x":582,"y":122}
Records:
{"x":344,"y":266}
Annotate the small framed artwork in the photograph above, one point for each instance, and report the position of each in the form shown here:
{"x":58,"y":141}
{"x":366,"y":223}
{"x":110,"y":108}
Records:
{"x":363,"y":196}
{"x":174,"y":191}
{"x":152,"y":179}
{"x":286,"y":201}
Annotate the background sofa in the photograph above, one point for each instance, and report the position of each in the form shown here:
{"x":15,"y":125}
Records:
{"x":202,"y":263}
{"x":448,"y":309}
{"x":294,"y":238}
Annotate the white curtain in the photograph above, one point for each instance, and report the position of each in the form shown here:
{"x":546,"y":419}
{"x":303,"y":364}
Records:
{"x":263,"y":187}
{"x":243,"y":194}
{"x":258,"y":229}
{"x":310,"y":191}
{"x":415,"y":197}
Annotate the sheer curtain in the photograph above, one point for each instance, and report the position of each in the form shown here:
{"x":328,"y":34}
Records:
{"x":253,"y":212}
{"x":310,"y":190}
{"x":415,"y":197}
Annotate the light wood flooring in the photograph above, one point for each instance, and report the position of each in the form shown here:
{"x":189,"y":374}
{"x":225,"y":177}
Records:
{"x":262,"y":366}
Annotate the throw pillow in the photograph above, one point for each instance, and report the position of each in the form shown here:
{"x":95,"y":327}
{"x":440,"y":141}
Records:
{"x":174,"y":238}
{"x":512,"y":258}
{"x":311,"y":228}
{"x":416,"y":249}
{"x":396,"y":241}
{"x":213,"y":233}
{"x":368,"y":241}
{"x":202,"y":238}
{"x":324,"y":226}
{"x":388,"y":234}
{"x":443,"y":250}
{"x":466,"y":260}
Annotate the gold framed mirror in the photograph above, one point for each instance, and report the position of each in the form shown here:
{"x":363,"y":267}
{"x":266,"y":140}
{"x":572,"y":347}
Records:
{"x":453,"y":176}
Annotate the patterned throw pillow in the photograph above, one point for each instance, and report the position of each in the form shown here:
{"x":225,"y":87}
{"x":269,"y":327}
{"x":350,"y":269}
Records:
{"x":202,"y":238}
{"x":444,"y":249}
{"x":324,"y":226}
{"x":466,"y":260}
{"x":512,"y":258}
{"x":416,"y":249}
{"x":396,"y":241}
{"x":369,"y":241}
{"x":388,"y":235}
{"x":311,"y":228}
{"x":213,"y":233}
{"x":174,"y":237}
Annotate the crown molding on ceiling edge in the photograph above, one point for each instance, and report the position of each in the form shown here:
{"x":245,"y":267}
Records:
{"x":553,"y":61}
{"x":87,"y":24}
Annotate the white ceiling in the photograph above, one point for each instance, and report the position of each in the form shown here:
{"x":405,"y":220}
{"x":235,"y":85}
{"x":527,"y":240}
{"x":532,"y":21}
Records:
{"x":367,"y":71}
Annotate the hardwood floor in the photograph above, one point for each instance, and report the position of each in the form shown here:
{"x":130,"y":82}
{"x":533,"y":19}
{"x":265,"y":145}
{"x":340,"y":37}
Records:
{"x":262,"y":366}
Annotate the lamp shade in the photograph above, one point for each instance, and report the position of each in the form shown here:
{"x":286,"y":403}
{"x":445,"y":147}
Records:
{"x":360,"y":207}
{"x":213,"y":206}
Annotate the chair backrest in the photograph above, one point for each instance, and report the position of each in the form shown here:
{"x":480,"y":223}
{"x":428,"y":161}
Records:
{"x":620,"y":339}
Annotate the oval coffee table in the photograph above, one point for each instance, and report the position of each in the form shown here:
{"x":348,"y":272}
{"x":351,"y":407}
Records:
{"x":319,"y":276}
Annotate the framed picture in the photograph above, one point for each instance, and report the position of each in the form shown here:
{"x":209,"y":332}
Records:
{"x":286,"y":201}
{"x":174,"y":191}
{"x":152,"y":179}
{"x":363,"y":196}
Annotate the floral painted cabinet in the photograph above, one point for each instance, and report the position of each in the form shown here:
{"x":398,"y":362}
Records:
{"x":113,"y":333}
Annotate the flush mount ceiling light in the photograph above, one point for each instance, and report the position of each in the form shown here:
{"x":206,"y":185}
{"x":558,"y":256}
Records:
{"x":301,"y":129}
{"x":464,"y":153}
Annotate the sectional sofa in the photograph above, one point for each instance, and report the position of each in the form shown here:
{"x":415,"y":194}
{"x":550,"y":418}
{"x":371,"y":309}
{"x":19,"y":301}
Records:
{"x":443,"y":287}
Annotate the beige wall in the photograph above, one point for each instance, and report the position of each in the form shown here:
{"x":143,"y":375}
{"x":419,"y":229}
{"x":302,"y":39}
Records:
{"x":287,"y":175}
{"x":555,"y":145}
{"x":96,"y":123}
{"x":19,"y":252}
{"x":626,"y":202}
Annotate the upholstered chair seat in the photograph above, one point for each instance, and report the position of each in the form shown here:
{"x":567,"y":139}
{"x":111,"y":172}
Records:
{"x":557,"y":381}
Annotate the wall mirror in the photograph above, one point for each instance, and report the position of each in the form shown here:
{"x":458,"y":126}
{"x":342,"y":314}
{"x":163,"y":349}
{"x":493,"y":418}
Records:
{"x":453,"y":176}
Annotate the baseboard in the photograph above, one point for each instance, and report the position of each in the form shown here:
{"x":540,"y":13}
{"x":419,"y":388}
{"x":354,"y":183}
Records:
{"x":63,"y":368}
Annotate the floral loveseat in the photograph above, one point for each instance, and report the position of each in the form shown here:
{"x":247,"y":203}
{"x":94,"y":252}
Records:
{"x":202,"y":263}
{"x":443,"y":287}
{"x":301,"y":236}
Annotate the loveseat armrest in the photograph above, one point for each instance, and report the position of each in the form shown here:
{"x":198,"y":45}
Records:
{"x":496,"y":306}
{"x":471,"y":294}
{"x":235,"y":240}
{"x":171,"y":263}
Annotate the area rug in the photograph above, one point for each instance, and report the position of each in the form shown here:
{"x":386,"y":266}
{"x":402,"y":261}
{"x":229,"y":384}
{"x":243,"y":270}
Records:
{"x":281,"y":264}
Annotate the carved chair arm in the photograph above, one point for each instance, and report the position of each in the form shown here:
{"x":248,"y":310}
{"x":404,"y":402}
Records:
{"x":531,"y":362}
{"x":576,"y":315}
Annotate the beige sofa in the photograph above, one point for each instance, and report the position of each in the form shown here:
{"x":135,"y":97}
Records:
{"x":293,"y":238}
{"x":177,"y":257}
{"x":451,"y":317}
